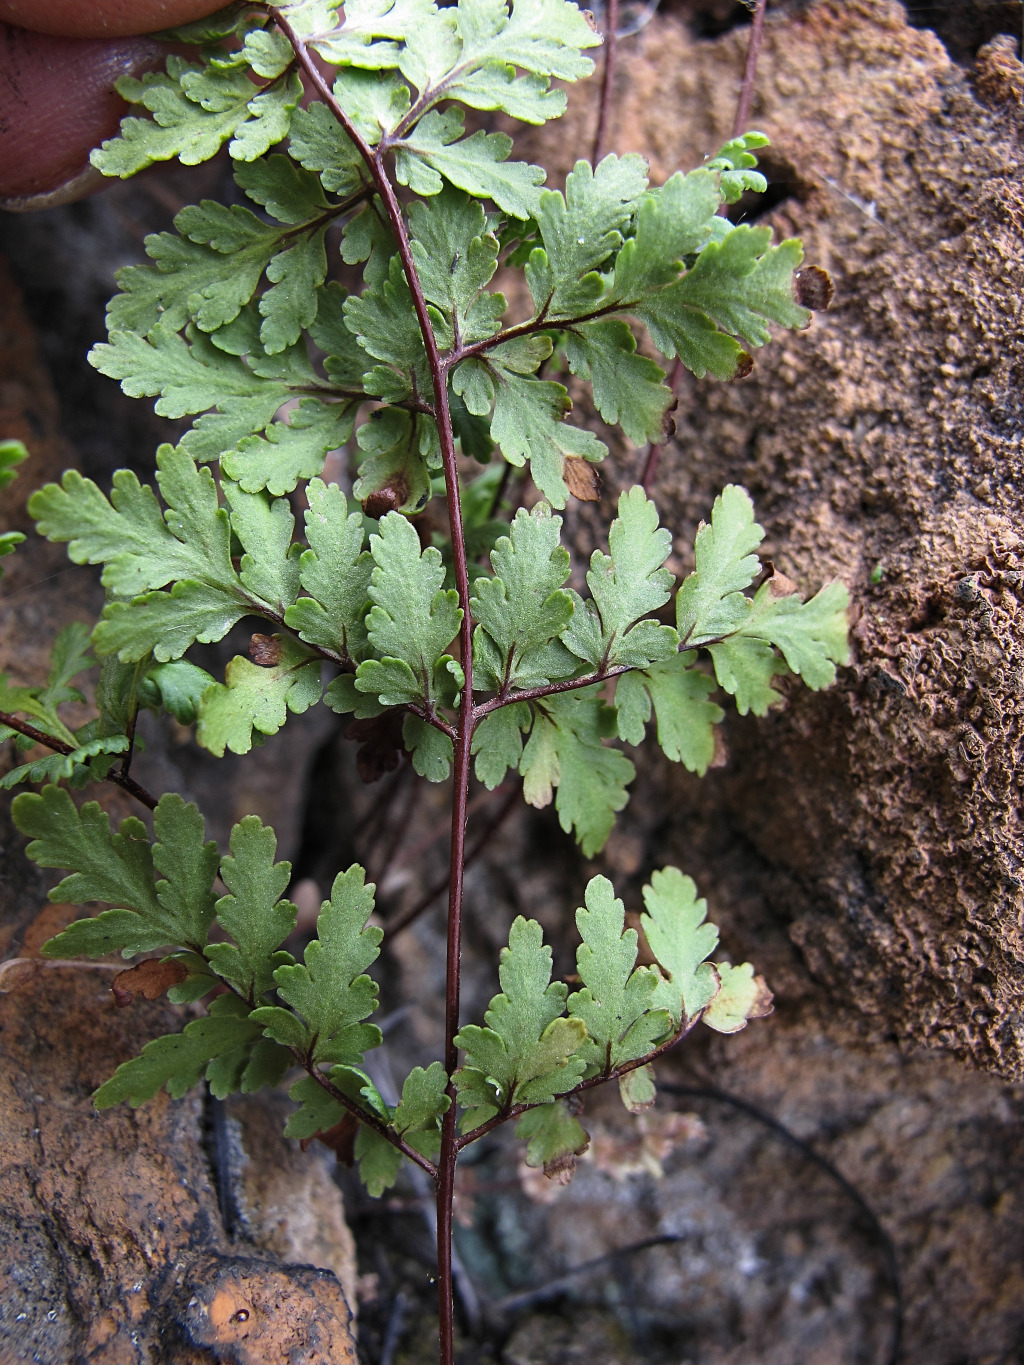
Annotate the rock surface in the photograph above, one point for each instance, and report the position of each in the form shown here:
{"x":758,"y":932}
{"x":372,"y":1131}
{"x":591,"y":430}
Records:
{"x":887,"y":443}
{"x":113,"y":1248}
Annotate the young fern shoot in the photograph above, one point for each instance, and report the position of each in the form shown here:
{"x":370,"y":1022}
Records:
{"x":474,"y":640}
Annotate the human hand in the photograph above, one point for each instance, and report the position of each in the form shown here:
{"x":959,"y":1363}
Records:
{"x":58,"y":64}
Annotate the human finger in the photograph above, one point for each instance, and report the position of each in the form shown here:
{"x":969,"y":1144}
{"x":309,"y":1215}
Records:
{"x":57,"y":102}
{"x":103,"y":18}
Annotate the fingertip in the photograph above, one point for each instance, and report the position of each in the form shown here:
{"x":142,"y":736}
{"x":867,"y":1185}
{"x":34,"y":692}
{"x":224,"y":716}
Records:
{"x":57,"y":102}
{"x":103,"y":18}
{"x":80,"y":186}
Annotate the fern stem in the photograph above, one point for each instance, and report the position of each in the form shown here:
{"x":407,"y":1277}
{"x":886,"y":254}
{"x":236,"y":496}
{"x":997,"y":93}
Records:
{"x":58,"y":746}
{"x":541,"y":323}
{"x":124,"y":767}
{"x":607,"y":79}
{"x":351,"y":1105}
{"x":551,"y":689}
{"x":371,"y":1120}
{"x":750,"y":69}
{"x":602,"y":1078}
{"x":406,"y":917}
{"x":467,"y":719}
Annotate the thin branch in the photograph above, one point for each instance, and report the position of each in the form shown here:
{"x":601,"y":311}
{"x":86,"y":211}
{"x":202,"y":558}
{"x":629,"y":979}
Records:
{"x":328,"y":216}
{"x":391,"y":841}
{"x":432,"y":95}
{"x":374,"y":822}
{"x":406,"y":917}
{"x":445,"y":1170}
{"x":750,"y":70}
{"x":653,"y":457}
{"x":541,"y":323}
{"x":356,"y":1110}
{"x":58,"y":746}
{"x":502,"y":489}
{"x":888,"y":1249}
{"x":432,"y":718}
{"x":395,"y":1327}
{"x":324,"y":389}
{"x":315,"y":79}
{"x":551,"y":689}
{"x":415,"y":851}
{"x":602,"y":1078}
{"x":129,"y":753}
{"x":512,"y":1303}
{"x":607,"y":79}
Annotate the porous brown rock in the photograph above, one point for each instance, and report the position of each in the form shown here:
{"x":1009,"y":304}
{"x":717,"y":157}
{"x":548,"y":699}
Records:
{"x":113,"y":1249}
{"x":885,"y":446}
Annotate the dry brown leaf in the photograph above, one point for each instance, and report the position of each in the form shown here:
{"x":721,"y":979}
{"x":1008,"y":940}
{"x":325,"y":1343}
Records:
{"x":265,"y":650}
{"x":720,"y":756}
{"x":764,"y":1000}
{"x":561,"y":1169}
{"x":341,"y":1139}
{"x":778,"y":584}
{"x":150,"y":980}
{"x":380,"y":744}
{"x":744,"y":364}
{"x":581,"y":478}
{"x":644,"y":1145}
{"x":814,"y":288}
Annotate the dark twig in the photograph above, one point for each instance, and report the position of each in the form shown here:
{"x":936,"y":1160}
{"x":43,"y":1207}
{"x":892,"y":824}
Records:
{"x":551,"y":689}
{"x":514,"y":1302}
{"x":412,"y":855}
{"x":406,"y":917}
{"x":129,"y":753}
{"x":377,"y":826}
{"x":462,"y":738}
{"x":607,"y":78}
{"x":890,"y":1261}
{"x":502,"y":488}
{"x":399,"y":827}
{"x":653,"y":457}
{"x":219,"y":1152}
{"x":380,"y":803}
{"x":58,"y":746}
{"x":750,"y":70}
{"x":393,"y":1334}
{"x":552,"y":1288}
